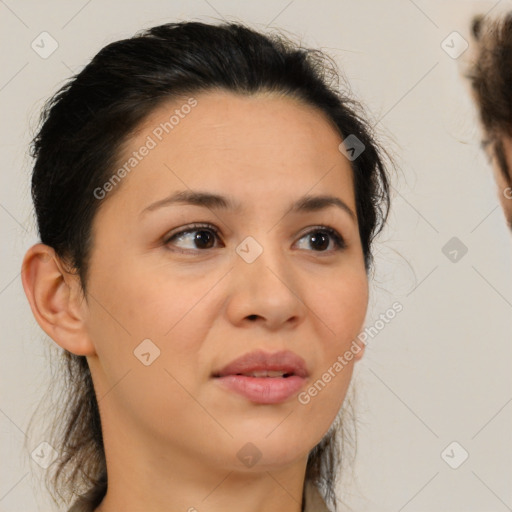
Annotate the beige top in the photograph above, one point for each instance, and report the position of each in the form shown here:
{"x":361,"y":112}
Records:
{"x":312,"y":498}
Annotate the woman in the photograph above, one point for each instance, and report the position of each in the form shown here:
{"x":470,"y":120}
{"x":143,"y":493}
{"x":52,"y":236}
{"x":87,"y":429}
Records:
{"x":206,"y":203}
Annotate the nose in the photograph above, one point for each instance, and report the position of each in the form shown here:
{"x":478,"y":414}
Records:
{"x":265,"y":288}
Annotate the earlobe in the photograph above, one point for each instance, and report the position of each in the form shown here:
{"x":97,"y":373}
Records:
{"x":51,"y":292}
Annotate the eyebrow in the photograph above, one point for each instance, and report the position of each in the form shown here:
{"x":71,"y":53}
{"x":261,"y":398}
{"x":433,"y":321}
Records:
{"x":304,"y":204}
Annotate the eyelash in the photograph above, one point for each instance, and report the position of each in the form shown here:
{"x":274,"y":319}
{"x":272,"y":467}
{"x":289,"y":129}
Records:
{"x":338,"y":239}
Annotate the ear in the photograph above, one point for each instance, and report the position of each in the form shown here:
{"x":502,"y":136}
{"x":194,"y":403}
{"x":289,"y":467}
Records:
{"x":55,"y":299}
{"x":361,"y":348}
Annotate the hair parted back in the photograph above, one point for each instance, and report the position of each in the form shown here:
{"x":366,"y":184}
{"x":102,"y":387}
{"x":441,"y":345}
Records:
{"x":82,"y":130}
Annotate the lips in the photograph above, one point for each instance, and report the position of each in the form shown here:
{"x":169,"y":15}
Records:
{"x":261,"y":364}
{"x":264,"y":378}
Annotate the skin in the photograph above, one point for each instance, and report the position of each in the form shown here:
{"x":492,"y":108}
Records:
{"x":504,"y":189}
{"x":171,"y":433}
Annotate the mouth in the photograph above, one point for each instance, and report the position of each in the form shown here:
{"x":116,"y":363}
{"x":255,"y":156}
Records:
{"x":263,"y":390}
{"x":264,"y":378}
{"x":266,"y":365}
{"x":261,"y":374}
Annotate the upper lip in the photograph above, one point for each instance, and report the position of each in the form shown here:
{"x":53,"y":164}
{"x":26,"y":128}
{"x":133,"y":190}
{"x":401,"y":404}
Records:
{"x":259,"y":360}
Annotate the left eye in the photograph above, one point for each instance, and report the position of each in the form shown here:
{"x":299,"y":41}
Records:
{"x":320,"y":236}
{"x":205,"y":235}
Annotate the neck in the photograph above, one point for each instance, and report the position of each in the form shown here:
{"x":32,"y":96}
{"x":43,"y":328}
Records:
{"x":144,"y":476}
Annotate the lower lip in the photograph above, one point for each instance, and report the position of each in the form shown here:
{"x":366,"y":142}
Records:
{"x":263,"y":390}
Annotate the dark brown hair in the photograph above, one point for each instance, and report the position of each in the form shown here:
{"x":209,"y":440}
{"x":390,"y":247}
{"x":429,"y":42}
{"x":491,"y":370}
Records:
{"x":84,"y":125}
{"x":491,"y":80}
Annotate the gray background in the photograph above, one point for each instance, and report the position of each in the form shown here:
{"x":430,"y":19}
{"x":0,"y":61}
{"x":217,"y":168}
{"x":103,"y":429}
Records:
{"x":440,"y":371}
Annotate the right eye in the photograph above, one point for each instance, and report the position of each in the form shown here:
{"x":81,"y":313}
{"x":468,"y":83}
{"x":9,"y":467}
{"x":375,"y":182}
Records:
{"x":203,"y":239}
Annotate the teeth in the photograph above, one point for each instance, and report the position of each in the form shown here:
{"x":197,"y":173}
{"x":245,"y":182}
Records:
{"x":265,"y":373}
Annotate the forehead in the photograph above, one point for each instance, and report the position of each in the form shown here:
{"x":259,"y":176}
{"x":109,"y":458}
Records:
{"x":225,"y":121}
{"x":264,"y":144}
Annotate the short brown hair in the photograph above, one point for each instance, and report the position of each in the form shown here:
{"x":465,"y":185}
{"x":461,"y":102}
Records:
{"x":491,"y":80}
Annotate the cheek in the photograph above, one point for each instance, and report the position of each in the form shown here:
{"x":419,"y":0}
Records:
{"x":144,"y":301}
{"x":341,"y":309}
{"x":342,"y":306}
{"x":141,"y":320}
{"x":137,"y":306}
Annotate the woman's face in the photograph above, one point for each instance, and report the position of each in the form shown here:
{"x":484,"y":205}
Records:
{"x":204,"y":299}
